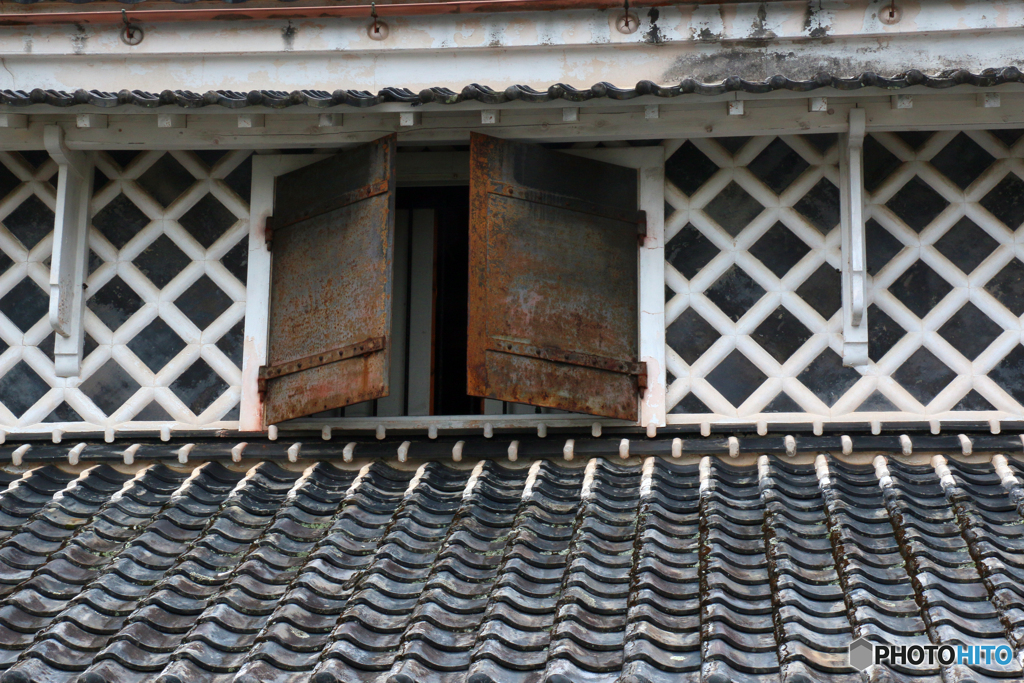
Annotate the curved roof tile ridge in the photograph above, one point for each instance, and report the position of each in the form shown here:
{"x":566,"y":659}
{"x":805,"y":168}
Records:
{"x":277,"y":99}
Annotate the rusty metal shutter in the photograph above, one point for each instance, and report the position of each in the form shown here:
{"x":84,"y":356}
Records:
{"x":332,"y":239}
{"x":553,"y":280}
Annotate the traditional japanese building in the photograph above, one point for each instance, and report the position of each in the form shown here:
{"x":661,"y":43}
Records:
{"x":511,"y":341}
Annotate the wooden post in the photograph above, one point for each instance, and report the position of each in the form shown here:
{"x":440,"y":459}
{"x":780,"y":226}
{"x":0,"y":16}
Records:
{"x":70,"y":249}
{"x":854,"y":282}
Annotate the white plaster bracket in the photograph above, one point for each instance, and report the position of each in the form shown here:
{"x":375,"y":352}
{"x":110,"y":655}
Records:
{"x":13,"y":121}
{"x":170,"y":121}
{"x":91,"y":121}
{"x":330,"y":120}
{"x":70,"y":247}
{"x":854,"y":280}
{"x":490,"y":116}
{"x":251,"y":121}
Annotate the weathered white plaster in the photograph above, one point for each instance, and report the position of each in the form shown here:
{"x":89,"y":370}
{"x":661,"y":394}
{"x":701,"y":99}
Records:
{"x":707,"y":42}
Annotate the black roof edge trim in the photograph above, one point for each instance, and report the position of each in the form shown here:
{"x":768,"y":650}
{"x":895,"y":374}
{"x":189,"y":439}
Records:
{"x":277,"y":99}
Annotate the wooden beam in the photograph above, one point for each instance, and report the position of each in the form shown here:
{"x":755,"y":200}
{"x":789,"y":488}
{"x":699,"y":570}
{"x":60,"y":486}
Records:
{"x":855,"y":276}
{"x":70,"y":249}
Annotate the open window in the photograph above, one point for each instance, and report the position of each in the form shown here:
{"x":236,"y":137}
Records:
{"x":511,"y":286}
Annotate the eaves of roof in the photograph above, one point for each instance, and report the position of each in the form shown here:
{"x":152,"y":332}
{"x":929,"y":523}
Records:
{"x":481,"y":93}
{"x":643,"y":572}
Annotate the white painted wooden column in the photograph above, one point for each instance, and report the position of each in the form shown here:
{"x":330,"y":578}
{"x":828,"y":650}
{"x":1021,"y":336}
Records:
{"x":70,"y":251}
{"x":652,"y":286}
{"x":855,"y":276}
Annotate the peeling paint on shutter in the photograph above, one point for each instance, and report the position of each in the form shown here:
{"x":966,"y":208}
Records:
{"x":553,"y":280}
{"x":332,"y":236}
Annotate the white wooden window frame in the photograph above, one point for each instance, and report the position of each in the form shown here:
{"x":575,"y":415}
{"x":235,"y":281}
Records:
{"x":650,"y":163}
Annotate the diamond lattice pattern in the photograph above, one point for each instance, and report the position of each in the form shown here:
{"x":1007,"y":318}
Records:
{"x":753,"y":302}
{"x":165,"y":291}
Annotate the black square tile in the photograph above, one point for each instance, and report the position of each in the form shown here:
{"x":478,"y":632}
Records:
{"x":1005,"y":201}
{"x":25,"y":304}
{"x":233,"y":414}
{"x":923,"y":375}
{"x":203,"y":302}
{"x":689,"y":251}
{"x":883,"y":333}
{"x":210,"y":157}
{"x":122,"y":157}
{"x":94,"y":261}
{"x":966,"y":245}
{"x":1008,"y":136}
{"x":669,"y":293}
{"x":63,"y":413}
{"x":199,"y":386}
{"x":690,"y":335}
{"x":777,"y":166}
{"x":35,"y":157}
{"x":115,"y":302}
{"x":828,"y":378}
{"x":109,"y":387}
{"x":733,"y":208}
{"x":973,"y":401}
{"x":161,"y":261}
{"x":99,"y":179}
{"x":156,"y":344}
{"x":733,"y":144}
{"x":962,"y":160}
{"x":1007,"y":286}
{"x":783,"y":403}
{"x":734,"y":293}
{"x":920,"y":288}
{"x":207,"y":220}
{"x":917,"y":204}
{"x":689,"y":168}
{"x":823,"y":291}
{"x":879,"y":163}
{"x":822,"y":141}
{"x":30,"y":222}
{"x":779,"y":249}
{"x":914,"y":138}
{"x":690,"y":405}
{"x":8,"y":181}
{"x":781,"y":334}
{"x":881,"y":246}
{"x":231,"y":343}
{"x":6,"y":262}
{"x":1009,"y":373}
{"x":153,"y":412}
{"x":821,"y":206}
{"x":120,"y":220}
{"x":736,"y":378}
{"x":876,"y":403}
{"x":240,"y":179}
{"x":237,"y":260}
{"x":970,"y":331}
{"x":166,"y":180}
{"x":21,"y":388}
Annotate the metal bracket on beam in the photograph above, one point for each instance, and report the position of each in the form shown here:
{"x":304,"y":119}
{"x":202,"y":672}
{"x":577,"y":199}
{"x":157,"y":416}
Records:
{"x":854,"y":249}
{"x":70,"y":248}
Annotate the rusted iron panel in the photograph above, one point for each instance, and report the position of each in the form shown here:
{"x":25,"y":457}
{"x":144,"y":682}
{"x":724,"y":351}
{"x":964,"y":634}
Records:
{"x":553,"y":266}
{"x":331,"y":281}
